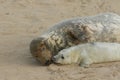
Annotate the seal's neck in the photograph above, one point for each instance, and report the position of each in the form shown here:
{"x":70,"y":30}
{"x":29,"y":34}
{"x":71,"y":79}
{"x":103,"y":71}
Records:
{"x":55,"y":43}
{"x":76,"y":58}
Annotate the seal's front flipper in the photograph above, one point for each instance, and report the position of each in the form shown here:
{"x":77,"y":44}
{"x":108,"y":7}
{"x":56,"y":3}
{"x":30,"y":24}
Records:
{"x":85,"y":62}
{"x":84,"y":65}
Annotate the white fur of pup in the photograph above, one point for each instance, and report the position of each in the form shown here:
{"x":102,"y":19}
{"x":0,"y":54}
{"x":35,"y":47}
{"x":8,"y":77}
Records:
{"x":89,"y":53}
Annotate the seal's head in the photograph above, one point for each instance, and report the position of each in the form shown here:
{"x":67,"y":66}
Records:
{"x":40,"y":51}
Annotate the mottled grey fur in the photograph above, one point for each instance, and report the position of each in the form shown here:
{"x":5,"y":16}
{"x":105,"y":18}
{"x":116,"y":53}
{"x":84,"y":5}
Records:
{"x":103,"y":27}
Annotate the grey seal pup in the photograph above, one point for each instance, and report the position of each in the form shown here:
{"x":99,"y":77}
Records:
{"x":89,"y":53}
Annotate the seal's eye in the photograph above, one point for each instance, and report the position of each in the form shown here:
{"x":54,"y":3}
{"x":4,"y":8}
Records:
{"x":62,"y":57}
{"x":43,"y":48}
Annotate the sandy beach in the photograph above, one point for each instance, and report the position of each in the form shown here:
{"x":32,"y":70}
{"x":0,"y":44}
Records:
{"x":23,"y":20}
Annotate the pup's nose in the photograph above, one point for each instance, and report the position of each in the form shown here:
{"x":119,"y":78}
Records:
{"x":53,"y":59}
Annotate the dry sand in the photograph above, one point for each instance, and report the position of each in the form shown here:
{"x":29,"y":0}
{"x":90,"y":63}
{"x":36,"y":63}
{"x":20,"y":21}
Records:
{"x":23,"y":20}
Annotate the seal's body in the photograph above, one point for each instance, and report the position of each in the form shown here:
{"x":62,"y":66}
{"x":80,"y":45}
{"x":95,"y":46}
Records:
{"x":103,"y":28}
{"x":89,"y":53}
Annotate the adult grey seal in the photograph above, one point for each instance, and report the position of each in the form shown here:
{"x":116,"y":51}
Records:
{"x":102,"y":27}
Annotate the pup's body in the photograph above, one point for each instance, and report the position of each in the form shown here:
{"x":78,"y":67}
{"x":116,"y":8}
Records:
{"x":102,"y":28}
{"x":89,"y":53}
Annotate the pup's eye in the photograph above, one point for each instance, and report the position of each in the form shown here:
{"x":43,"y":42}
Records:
{"x":62,"y":57}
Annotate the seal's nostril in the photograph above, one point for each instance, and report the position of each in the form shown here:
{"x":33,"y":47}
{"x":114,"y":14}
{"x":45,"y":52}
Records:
{"x":48,"y":62}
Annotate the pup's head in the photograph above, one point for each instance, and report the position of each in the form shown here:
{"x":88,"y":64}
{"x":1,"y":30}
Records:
{"x":66,"y":56}
{"x":40,"y":51}
{"x":63,"y":57}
